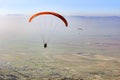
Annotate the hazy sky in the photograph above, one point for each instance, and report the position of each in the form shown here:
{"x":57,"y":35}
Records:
{"x":67,"y":7}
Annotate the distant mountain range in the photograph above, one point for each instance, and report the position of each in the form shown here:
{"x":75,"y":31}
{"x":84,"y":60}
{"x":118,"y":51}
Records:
{"x":83,"y":17}
{"x":14,"y":14}
{"x":95,"y":17}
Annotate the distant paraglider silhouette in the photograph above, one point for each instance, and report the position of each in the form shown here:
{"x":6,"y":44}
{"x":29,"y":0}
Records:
{"x":49,"y":13}
{"x":80,"y":28}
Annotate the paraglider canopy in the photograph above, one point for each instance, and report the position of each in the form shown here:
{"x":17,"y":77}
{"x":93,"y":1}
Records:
{"x":51,"y":13}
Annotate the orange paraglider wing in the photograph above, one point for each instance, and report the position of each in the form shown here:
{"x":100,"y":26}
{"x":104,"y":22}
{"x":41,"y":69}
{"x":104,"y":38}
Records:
{"x":51,"y":13}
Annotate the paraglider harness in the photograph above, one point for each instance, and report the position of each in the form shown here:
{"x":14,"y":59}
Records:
{"x":45,"y":45}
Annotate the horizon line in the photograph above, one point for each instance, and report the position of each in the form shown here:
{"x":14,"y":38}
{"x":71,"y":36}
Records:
{"x":64,"y":15}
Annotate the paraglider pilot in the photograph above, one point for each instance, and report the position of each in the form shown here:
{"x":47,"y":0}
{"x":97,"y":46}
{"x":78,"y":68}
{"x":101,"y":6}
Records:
{"x":45,"y":45}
